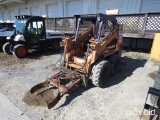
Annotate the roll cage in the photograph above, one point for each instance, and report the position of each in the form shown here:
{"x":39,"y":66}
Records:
{"x":97,"y":20}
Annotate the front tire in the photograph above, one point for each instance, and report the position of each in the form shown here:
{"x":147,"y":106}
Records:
{"x":100,"y":73}
{"x":115,"y":63}
{"x":6,"y":48}
{"x":20,"y":51}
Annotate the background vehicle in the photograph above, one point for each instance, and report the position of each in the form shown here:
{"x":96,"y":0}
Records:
{"x":6,"y":31}
{"x":92,"y":54}
{"x":31,"y":33}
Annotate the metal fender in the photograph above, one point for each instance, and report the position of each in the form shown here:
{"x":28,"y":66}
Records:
{"x":19,"y":38}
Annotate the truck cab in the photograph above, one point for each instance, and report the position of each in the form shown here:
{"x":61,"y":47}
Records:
{"x":31,"y":33}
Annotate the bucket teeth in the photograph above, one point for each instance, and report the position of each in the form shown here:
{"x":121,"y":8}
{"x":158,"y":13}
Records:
{"x":54,"y":102}
{"x":39,"y":86}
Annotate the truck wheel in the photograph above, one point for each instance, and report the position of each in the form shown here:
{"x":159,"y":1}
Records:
{"x":154,"y":99}
{"x":100,"y":73}
{"x":115,"y":62}
{"x":6,"y":48}
{"x":55,"y":46}
{"x":20,"y":51}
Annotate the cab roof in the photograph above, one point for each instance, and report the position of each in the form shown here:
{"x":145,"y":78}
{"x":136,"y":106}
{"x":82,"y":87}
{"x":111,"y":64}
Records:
{"x":98,"y":17}
{"x":23,"y":16}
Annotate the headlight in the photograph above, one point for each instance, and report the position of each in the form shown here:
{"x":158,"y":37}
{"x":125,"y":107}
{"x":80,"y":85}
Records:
{"x":79,"y":19}
{"x":8,"y":38}
{"x":98,"y":19}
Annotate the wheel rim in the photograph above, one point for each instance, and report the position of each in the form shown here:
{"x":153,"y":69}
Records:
{"x":21,"y":51}
{"x":56,"y":46}
{"x":6,"y":48}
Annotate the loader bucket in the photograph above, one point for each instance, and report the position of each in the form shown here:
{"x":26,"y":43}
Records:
{"x":54,"y":102}
{"x":43,"y":85}
{"x":64,"y":81}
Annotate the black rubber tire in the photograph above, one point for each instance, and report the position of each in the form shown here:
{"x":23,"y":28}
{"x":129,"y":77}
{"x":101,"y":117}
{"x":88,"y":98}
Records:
{"x":55,"y":46}
{"x":115,"y":63}
{"x":154,"y":99}
{"x":16,"y":51}
{"x":6,"y":48}
{"x":100,"y":73}
{"x":119,"y":53}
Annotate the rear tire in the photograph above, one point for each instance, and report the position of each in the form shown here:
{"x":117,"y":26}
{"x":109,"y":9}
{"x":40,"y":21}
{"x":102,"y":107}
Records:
{"x":100,"y":73}
{"x":6,"y":48}
{"x":20,"y":51}
{"x":55,"y":46}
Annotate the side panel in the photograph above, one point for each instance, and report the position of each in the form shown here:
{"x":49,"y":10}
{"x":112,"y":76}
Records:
{"x":35,"y":11}
{"x":22,"y":11}
{"x":74,"y":7}
{"x":52,"y":10}
{"x":1,"y":18}
{"x":104,"y":5}
{"x":131,"y":6}
{"x":53,"y":34}
{"x":4,"y":15}
{"x":150,"y":6}
{"x":12,"y":15}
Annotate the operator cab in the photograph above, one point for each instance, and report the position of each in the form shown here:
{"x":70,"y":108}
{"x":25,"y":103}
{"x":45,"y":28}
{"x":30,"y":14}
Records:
{"x":20,"y":23}
{"x":90,"y":30}
{"x":29,"y":29}
{"x":101,"y":24}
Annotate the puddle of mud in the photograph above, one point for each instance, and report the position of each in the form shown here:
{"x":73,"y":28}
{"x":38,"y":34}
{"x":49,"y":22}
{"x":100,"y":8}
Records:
{"x":152,"y":75}
{"x":41,"y":99}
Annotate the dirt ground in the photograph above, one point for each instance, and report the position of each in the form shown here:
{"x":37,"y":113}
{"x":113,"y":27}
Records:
{"x":122,"y":98}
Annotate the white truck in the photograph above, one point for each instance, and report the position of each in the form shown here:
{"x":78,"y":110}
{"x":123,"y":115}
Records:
{"x":6,"y":31}
{"x":31,"y":33}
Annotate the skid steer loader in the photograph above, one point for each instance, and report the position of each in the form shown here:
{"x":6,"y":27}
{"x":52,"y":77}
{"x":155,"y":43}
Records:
{"x":92,"y":54}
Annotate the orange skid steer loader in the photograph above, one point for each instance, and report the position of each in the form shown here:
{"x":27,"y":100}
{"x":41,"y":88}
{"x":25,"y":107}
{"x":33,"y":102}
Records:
{"x":92,"y":54}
